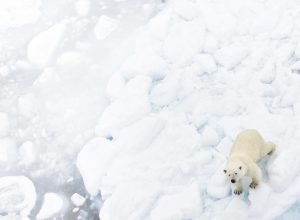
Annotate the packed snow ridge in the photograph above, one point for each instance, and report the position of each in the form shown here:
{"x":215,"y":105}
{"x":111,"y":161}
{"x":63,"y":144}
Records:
{"x":201,"y":72}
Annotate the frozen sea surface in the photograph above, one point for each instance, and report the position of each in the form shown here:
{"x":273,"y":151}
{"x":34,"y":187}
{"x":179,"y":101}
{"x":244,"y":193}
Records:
{"x":126,"y":109}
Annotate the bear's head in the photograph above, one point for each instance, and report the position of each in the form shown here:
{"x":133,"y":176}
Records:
{"x":235,"y":170}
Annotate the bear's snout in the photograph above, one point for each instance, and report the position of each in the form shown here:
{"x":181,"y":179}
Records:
{"x":233,"y":181}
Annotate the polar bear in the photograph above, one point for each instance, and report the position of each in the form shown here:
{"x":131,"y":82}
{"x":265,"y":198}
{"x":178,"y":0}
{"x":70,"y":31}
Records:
{"x":248,"y":148}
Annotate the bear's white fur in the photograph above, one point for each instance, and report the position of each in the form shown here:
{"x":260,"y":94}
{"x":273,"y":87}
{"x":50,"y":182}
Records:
{"x":248,"y":148}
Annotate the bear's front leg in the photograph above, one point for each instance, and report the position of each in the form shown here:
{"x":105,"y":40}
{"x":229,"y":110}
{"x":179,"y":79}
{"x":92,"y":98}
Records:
{"x":255,"y":175}
{"x":238,"y":188}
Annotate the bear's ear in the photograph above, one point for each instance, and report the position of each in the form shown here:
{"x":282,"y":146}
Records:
{"x":225,"y":171}
{"x":240,"y":168}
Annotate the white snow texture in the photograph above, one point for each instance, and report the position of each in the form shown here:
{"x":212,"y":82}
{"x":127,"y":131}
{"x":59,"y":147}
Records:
{"x":201,"y":72}
{"x":145,"y":98}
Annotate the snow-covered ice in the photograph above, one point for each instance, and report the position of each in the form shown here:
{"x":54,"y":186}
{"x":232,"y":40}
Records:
{"x":52,"y":205}
{"x":17,"y":195}
{"x":77,"y":199}
{"x":42,"y":46}
{"x":128,"y":109}
{"x":104,"y":27}
{"x":4,"y":124}
{"x":209,"y":78}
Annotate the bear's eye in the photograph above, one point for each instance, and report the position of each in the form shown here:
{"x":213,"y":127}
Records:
{"x":235,"y":173}
{"x":229,"y":175}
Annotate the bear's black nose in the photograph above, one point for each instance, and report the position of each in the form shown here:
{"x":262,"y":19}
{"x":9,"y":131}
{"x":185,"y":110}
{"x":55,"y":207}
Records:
{"x":233,"y":181}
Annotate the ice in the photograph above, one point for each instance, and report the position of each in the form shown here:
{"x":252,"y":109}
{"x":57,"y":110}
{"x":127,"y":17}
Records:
{"x":185,"y":204}
{"x":104,"y":27}
{"x":186,"y":9}
{"x":147,"y":63}
{"x":129,"y":200}
{"x":52,"y":205}
{"x":114,"y":117}
{"x":206,"y":63}
{"x":218,"y":186}
{"x":96,"y":155}
{"x":285,"y":52}
{"x":83,"y":7}
{"x":17,"y":195}
{"x":224,"y":146}
{"x":219,"y":22}
{"x":27,"y":105}
{"x":165,"y":91}
{"x":297,"y":51}
{"x":236,"y":209}
{"x":284,"y":27}
{"x":8,"y":151}
{"x":13,"y":217}
{"x":296,"y":66}
{"x":148,"y":127}
{"x":209,"y":137}
{"x":42,"y":47}
{"x":77,"y":199}
{"x":285,"y":166}
{"x":231,"y":55}
{"x":259,"y":199}
{"x":186,"y":39}
{"x":149,"y":97}
{"x":4,"y":124}
{"x":27,"y":153}
{"x":16,"y":13}
{"x":211,"y":44}
{"x":115,"y":86}
{"x":268,"y":73}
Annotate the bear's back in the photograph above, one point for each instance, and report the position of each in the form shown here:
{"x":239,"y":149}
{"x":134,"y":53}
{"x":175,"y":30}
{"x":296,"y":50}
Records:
{"x":248,"y":143}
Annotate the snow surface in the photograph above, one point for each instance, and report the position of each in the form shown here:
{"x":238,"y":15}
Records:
{"x":17,"y":195}
{"x":133,"y":106}
{"x":52,"y":204}
{"x":201,"y":72}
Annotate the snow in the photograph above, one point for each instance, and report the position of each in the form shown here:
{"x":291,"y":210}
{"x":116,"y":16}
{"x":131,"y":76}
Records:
{"x":137,"y":106}
{"x":52,"y":204}
{"x":134,"y":105}
{"x":185,"y":38}
{"x":16,"y":13}
{"x":42,"y":46}
{"x":27,"y":152}
{"x":4,"y":124}
{"x":104,"y":27}
{"x":7,"y":151}
{"x":83,"y":7}
{"x":231,"y":55}
{"x":95,"y":156}
{"x":182,"y":205}
{"x":17,"y":195}
{"x":197,"y":75}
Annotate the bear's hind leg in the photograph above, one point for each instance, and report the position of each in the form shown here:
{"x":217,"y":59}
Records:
{"x":270,"y":147}
{"x":267,"y":149}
